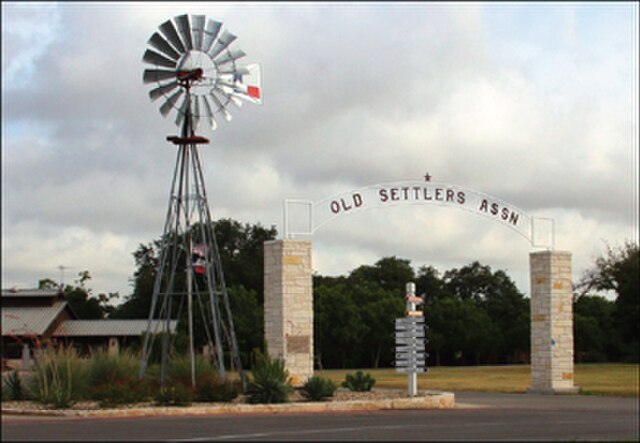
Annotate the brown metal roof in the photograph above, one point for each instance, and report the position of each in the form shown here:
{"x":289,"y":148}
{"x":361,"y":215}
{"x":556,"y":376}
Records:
{"x":111,"y":328}
{"x":30,"y":292}
{"x":29,"y":320}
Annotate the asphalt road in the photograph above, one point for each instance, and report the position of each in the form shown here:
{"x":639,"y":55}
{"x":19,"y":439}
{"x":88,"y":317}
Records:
{"x":477,"y":416}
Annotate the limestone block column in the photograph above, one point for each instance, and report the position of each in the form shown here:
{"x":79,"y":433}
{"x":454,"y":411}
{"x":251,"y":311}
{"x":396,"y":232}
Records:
{"x":288,"y":305}
{"x":551,"y":323}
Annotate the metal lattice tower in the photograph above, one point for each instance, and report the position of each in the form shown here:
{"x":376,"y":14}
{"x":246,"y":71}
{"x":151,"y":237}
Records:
{"x":203,"y":71}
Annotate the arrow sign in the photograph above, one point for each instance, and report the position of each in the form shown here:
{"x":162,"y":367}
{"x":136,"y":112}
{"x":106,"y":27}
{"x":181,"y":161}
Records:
{"x":406,"y":360}
{"x":409,"y":334}
{"x":409,"y":327}
{"x":410,"y":355}
{"x":411,"y":341}
{"x":410,"y":349}
{"x":413,"y":346}
{"x":403,"y":369}
{"x":415,"y":300}
{"x":409,"y":320}
{"x":410,"y":364}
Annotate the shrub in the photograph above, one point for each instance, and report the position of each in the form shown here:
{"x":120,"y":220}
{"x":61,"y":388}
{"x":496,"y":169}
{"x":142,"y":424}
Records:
{"x":359,"y":382}
{"x":114,"y":379}
{"x":318,"y":389}
{"x":270,"y":382}
{"x":12,"y":388}
{"x":59,"y":378}
{"x":174,"y":395}
{"x":179,"y":369}
{"x":215,"y":389}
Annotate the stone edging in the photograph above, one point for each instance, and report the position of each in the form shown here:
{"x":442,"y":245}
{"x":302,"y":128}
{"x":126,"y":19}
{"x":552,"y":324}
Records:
{"x":440,"y":400}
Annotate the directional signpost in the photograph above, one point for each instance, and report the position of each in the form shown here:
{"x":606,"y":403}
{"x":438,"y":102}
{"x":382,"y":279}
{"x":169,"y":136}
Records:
{"x":411,"y":357}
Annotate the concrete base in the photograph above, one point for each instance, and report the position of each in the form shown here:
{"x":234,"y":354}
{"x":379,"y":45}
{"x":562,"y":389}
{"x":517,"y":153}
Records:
{"x":554,"y":391}
{"x":433,"y":400}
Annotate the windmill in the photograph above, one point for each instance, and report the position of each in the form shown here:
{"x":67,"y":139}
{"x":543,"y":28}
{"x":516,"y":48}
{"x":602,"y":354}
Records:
{"x":198,"y":76}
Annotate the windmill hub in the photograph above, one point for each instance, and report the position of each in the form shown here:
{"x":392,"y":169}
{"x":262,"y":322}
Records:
{"x":190,"y":76}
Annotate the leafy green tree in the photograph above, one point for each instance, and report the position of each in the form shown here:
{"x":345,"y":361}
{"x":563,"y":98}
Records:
{"x":247,"y":319}
{"x":390,"y":273}
{"x":468,"y":331}
{"x":339,"y":328}
{"x":378,"y":310}
{"x":137,"y":304}
{"x":594,"y":334}
{"x":242,"y":253}
{"x":618,"y":270}
{"x":80,"y":298}
{"x":498,"y":296}
{"x":471,"y":282}
{"x":430,"y":285}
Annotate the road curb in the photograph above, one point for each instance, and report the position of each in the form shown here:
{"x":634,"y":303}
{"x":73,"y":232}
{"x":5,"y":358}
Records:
{"x":435,"y":400}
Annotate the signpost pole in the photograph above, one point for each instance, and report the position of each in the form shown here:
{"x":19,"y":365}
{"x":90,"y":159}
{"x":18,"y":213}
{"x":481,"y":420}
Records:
{"x":410,"y":341}
{"x":412,"y":382}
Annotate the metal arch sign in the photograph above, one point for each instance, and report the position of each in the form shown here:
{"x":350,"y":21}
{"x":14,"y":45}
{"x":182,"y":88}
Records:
{"x":539,"y":231}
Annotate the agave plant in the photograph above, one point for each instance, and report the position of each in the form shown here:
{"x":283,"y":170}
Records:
{"x":318,"y":389}
{"x":359,"y":382}
{"x":270,"y":383}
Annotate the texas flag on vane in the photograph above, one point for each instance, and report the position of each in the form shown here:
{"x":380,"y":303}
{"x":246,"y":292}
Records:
{"x":247,"y":83}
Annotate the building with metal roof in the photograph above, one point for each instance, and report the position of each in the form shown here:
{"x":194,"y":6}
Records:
{"x":32,"y":318}
{"x":109,"y":328}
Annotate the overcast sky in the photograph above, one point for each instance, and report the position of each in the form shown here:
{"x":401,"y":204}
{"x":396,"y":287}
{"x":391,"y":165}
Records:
{"x":534,"y":104}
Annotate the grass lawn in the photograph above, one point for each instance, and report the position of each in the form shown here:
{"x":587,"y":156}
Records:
{"x":593,"y":379}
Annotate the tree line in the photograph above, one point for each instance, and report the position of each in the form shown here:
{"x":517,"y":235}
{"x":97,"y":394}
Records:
{"x":475,"y":315}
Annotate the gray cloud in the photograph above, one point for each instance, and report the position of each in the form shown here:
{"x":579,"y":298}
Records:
{"x":536,"y":110}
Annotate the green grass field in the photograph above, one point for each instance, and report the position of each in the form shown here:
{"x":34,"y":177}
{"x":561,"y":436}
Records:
{"x":593,"y":379}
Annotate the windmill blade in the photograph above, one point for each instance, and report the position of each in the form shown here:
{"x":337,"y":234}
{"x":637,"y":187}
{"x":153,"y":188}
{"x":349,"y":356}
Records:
{"x":182,"y":110}
{"x":244,"y":96}
{"x":158,"y":92}
{"x":209,"y":113}
{"x":210,"y":34}
{"x":231,"y":55}
{"x":220,"y":106}
{"x":230,"y":95}
{"x":235,"y":70}
{"x":161,"y":45}
{"x":225,"y":84}
{"x":197,"y":31}
{"x":155,"y":75}
{"x":170,"y":33}
{"x":235,"y":100}
{"x":225,"y":40}
{"x":157,"y":59}
{"x":171,"y":102}
{"x":185,"y":30}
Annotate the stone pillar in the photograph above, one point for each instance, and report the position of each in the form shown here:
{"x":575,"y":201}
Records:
{"x":551,"y":323}
{"x":288,"y":305}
